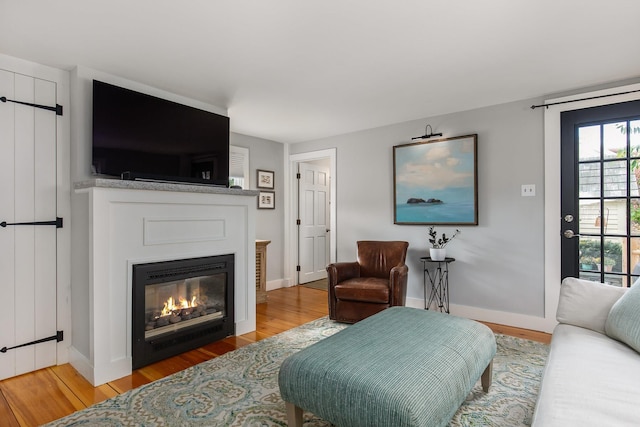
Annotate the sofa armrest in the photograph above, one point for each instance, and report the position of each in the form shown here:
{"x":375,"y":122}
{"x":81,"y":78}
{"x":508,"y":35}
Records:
{"x":586,"y":304}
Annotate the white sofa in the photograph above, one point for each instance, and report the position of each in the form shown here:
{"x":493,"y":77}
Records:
{"x":592,"y":374}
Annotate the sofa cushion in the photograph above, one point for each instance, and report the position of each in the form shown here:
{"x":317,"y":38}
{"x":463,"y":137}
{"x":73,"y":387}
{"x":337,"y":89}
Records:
{"x":586,"y":304}
{"x":623,"y":323}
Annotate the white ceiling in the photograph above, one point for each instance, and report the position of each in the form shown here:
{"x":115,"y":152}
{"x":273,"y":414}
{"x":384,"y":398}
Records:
{"x":298,"y":70}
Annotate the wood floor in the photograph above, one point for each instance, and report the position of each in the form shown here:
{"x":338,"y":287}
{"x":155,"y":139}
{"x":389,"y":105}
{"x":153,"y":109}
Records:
{"x":39,"y":397}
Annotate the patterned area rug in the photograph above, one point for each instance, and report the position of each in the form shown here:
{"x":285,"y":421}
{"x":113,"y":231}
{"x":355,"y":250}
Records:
{"x":240,"y":388}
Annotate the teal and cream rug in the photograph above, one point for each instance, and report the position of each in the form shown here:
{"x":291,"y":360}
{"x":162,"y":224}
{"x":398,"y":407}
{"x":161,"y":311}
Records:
{"x":240,"y":388}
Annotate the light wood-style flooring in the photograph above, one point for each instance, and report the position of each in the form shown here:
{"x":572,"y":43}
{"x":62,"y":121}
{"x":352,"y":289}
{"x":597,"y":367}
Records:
{"x":39,"y":397}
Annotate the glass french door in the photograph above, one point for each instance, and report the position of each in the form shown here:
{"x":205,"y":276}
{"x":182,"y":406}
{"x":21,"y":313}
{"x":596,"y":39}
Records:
{"x":601,"y":193}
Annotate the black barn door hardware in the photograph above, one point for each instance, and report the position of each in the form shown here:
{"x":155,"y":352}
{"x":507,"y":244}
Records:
{"x":57,"y":223}
{"x":57,"y":108}
{"x":59,"y":336}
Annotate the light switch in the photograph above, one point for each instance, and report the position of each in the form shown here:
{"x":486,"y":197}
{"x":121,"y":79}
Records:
{"x":528,"y":190}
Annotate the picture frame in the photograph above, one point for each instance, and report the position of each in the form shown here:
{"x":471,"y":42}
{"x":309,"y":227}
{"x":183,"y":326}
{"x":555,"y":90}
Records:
{"x":435,"y":182}
{"x":265,"y":179}
{"x":266,"y":200}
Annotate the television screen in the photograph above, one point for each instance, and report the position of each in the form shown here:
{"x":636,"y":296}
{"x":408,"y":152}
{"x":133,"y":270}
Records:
{"x":139,"y":136}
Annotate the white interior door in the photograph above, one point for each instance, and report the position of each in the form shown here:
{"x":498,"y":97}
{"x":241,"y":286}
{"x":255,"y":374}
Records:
{"x":28,"y":252}
{"x":313,"y":214}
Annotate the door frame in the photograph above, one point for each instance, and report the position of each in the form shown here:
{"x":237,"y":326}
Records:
{"x":63,"y":190}
{"x":291,"y":211}
{"x":552,"y":209}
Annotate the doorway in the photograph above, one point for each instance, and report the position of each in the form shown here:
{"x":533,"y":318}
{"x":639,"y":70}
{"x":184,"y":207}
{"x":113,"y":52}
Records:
{"x":295,"y":253}
{"x":552,"y":177}
{"x":600,"y":197}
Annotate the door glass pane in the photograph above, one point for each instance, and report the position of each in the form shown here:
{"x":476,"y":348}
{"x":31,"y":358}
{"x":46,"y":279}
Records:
{"x":590,"y":217}
{"x":589,"y":180}
{"x":615,"y":140}
{"x":589,"y":251}
{"x":634,"y":163}
{"x":615,"y":178}
{"x":594,"y":276}
{"x":613,"y":260}
{"x":633,"y":178}
{"x":589,"y":143}
{"x":614,"y":280}
{"x":613,"y":220}
{"x":615,"y":216}
{"x":635,"y":256}
{"x":634,"y":209}
{"x":634,"y":130}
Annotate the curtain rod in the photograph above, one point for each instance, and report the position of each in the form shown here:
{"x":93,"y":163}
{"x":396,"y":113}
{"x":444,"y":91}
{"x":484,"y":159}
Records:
{"x":533,"y":107}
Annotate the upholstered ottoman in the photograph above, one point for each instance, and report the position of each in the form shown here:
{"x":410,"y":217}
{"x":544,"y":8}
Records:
{"x":401,"y":367}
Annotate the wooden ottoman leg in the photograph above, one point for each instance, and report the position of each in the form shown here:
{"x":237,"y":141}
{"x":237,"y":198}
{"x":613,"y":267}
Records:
{"x":487,"y":376}
{"x":294,"y":415}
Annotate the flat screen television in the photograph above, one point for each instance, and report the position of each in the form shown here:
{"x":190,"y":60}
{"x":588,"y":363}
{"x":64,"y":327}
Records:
{"x":139,"y":136}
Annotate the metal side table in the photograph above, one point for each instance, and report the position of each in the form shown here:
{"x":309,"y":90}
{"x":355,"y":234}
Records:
{"x":437,"y":285}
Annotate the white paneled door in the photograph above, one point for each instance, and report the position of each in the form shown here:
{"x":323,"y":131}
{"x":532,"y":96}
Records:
{"x":27,"y":252}
{"x":313,"y":231}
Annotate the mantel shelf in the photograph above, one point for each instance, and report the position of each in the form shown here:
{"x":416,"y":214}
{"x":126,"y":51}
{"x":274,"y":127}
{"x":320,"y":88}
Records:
{"x":160,"y":186}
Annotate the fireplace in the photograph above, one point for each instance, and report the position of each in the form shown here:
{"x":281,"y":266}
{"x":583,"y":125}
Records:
{"x":180,"y":305}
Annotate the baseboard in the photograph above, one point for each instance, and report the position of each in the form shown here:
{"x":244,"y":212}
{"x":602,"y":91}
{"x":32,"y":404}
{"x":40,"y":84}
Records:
{"x":81,"y":364}
{"x":492,"y":316}
{"x":277,"y":284}
{"x":476,"y":313}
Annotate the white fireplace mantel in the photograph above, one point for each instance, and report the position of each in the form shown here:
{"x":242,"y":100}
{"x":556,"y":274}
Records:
{"x":121,"y":223}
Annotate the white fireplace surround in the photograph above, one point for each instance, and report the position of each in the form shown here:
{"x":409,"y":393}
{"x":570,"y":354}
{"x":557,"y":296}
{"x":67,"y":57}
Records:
{"x":122,"y":223}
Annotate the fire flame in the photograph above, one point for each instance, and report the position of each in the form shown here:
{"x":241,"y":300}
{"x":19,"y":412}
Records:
{"x":171,"y":306}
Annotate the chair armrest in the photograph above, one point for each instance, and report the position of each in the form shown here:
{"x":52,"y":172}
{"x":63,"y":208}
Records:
{"x":398,"y":282}
{"x":341,"y":271}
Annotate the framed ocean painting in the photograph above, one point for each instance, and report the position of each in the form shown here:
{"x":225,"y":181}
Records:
{"x":436,"y":182}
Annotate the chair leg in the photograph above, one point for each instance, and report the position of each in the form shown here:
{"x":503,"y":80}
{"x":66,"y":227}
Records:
{"x":294,"y":415}
{"x":487,"y":377}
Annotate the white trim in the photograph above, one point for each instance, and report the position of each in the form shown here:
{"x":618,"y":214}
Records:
{"x":277,"y":284}
{"x":552,"y":214}
{"x":291,"y":204}
{"x":491,"y":316}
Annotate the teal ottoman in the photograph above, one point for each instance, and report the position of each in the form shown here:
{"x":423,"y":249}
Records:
{"x":401,"y":367}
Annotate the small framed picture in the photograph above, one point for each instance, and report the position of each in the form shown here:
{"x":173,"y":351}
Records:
{"x":265,"y":179}
{"x":267,"y":200}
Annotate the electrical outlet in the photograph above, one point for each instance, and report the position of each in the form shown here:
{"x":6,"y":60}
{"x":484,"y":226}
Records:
{"x":528,"y":190}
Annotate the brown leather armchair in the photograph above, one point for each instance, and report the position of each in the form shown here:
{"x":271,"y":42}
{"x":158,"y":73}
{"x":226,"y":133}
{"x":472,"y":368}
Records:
{"x":377,"y":280}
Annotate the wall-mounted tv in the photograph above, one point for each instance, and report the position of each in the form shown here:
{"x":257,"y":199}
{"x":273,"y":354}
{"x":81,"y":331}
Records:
{"x":139,"y":136}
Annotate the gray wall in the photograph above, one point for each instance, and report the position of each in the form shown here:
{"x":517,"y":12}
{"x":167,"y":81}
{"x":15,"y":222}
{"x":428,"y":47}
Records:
{"x":499,"y":263}
{"x":267,"y":155}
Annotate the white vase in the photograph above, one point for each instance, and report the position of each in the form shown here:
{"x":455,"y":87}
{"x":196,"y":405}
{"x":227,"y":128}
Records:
{"x":438,"y":254}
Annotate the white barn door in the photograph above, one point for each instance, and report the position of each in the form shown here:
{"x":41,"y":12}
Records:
{"x":313,"y":231}
{"x":27,"y":252}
